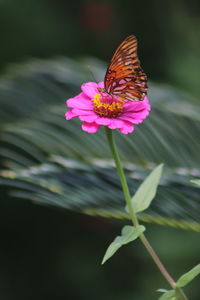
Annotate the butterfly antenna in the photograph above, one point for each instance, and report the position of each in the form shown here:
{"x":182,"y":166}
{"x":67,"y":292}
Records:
{"x":91,"y":73}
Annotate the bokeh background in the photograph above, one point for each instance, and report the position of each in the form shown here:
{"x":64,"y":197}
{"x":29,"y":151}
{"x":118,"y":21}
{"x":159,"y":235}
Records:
{"x":50,"y":253}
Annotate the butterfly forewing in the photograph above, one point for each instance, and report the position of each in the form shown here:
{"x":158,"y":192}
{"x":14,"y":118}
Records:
{"x":125,"y":77}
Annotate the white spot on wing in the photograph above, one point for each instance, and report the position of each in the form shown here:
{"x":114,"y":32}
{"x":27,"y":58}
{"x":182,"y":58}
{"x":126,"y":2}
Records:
{"x":122,"y":81}
{"x":119,"y":88}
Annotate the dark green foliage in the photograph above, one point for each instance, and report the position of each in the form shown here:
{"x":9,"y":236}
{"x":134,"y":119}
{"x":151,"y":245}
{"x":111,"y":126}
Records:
{"x":53,"y":161}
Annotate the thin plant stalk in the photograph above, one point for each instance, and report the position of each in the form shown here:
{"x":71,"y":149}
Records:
{"x":179,"y":292}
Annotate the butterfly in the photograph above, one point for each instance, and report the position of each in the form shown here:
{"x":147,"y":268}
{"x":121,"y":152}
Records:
{"x":124,"y":77}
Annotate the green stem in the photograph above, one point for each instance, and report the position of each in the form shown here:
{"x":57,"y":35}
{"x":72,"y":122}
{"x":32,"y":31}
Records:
{"x":179,"y":293}
{"x":121,"y":175}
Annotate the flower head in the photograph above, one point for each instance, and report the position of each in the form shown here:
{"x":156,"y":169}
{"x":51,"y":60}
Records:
{"x":95,"y":108}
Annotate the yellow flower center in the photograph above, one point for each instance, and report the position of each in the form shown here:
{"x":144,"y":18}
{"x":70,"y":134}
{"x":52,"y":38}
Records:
{"x":108,"y":106}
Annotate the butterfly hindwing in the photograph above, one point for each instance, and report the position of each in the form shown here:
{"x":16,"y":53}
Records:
{"x":125,"y":77}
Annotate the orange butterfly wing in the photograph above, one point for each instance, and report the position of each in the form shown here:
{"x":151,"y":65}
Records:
{"x":124,"y":77}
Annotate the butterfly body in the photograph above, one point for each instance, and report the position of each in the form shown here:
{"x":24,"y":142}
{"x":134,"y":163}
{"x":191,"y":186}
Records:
{"x":124,"y":76}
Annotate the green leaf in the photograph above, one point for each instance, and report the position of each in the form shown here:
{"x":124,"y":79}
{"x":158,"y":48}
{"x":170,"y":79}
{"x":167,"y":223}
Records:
{"x":162,"y":290}
{"x":196,"y":181}
{"x":169,"y":295}
{"x":147,"y":190}
{"x":128,"y":234}
{"x":72,"y":178}
{"x":188,"y":277}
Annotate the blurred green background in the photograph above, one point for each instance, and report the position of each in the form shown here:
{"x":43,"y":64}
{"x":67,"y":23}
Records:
{"x":49,"y":253}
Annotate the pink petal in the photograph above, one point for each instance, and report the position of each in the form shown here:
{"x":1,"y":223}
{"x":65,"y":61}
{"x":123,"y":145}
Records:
{"x":134,"y":117}
{"x":103,"y":121}
{"x":90,"y":127}
{"x":130,"y":119}
{"x":127,"y":128}
{"x":115,"y":123}
{"x":146,"y":100}
{"x":101,"y":85}
{"x":83,"y":112}
{"x":89,"y":89}
{"x":137,"y":105}
{"x":80,"y":101}
{"x":88,"y":118}
{"x":70,"y":114}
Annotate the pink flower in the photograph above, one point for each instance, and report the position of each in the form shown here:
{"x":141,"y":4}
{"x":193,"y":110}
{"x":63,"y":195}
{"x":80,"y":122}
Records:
{"x":95,"y":108}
